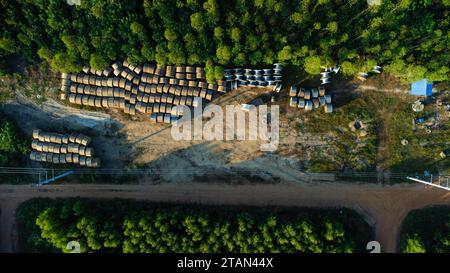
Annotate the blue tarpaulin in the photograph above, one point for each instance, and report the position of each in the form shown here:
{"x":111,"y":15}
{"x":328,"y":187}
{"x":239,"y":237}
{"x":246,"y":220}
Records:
{"x":421,"y":88}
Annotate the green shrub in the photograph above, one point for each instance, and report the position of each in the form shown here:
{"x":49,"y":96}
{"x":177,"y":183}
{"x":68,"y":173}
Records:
{"x":426,"y":230}
{"x":12,"y":145}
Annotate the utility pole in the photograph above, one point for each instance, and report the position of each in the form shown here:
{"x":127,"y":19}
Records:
{"x":54,"y":178}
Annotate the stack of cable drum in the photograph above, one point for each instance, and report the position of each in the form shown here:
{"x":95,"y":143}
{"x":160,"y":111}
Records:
{"x":152,"y":88}
{"x":309,"y":99}
{"x":63,"y":149}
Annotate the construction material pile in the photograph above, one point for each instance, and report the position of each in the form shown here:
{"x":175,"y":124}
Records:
{"x":328,"y":73}
{"x":309,"y":99}
{"x":254,"y":77}
{"x":364,"y":75}
{"x":151,"y":89}
{"x":63,"y":149}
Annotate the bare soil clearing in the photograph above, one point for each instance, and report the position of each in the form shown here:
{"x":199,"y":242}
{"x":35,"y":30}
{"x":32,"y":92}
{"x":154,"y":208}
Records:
{"x":128,"y":142}
{"x":383,"y":206}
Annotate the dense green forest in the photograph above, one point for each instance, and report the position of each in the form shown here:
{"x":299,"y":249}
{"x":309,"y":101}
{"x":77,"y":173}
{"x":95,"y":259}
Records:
{"x":135,"y":227}
{"x":426,"y":230}
{"x":410,"y":38}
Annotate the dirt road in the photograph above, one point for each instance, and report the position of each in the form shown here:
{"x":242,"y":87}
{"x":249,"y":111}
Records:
{"x":384,"y":207}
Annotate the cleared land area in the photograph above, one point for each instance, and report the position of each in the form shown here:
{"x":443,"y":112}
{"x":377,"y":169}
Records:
{"x":309,"y":142}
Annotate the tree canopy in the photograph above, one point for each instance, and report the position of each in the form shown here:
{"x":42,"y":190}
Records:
{"x":409,"y":38}
{"x":426,"y":230}
{"x":136,"y":227}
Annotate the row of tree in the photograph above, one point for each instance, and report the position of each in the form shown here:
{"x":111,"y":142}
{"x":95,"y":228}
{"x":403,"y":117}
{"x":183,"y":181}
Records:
{"x":131,"y":227}
{"x":410,"y":38}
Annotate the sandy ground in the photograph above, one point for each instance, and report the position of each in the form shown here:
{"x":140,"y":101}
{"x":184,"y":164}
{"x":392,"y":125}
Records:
{"x":133,"y":142}
{"x":129,"y":142}
{"x":385,"y":207}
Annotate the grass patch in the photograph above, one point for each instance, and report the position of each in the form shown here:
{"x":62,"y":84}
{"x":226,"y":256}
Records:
{"x":422,"y":151}
{"x":7,"y":85}
{"x":38,"y":83}
{"x":389,"y":120}
{"x":347,"y":151}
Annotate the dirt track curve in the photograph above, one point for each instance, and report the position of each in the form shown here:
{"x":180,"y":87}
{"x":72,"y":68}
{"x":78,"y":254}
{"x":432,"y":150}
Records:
{"x":384,"y":207}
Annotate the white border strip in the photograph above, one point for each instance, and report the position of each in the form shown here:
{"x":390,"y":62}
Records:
{"x":428,"y":183}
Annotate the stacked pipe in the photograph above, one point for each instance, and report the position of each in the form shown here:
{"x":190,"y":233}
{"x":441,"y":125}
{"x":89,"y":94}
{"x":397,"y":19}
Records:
{"x":152,"y":89}
{"x":62,"y":149}
{"x":309,"y":99}
{"x":253,"y":77}
{"x":364,"y":75}
{"x":327,"y":73}
{"x":65,"y":85}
